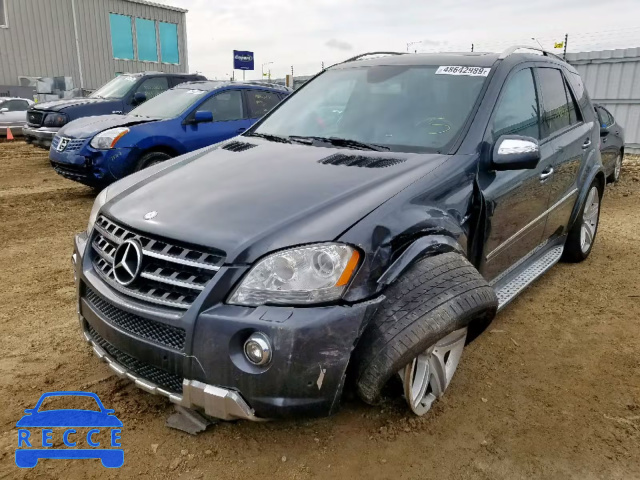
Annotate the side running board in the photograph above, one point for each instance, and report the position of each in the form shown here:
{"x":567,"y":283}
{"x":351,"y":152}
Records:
{"x":507,"y":292}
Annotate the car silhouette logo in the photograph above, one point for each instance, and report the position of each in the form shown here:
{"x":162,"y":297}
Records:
{"x":69,"y":420}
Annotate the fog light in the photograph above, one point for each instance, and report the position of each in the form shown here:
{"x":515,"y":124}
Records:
{"x":257,"y":349}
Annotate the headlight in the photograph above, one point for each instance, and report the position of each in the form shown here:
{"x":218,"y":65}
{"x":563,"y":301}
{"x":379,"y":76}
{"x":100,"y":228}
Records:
{"x":100,"y":200}
{"x":108,"y":138}
{"x":55,"y":120}
{"x":313,"y":274}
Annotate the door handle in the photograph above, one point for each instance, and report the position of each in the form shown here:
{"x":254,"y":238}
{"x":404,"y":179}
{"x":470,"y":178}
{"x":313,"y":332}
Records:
{"x":587,"y":143}
{"x":240,"y":130}
{"x":546,"y":174}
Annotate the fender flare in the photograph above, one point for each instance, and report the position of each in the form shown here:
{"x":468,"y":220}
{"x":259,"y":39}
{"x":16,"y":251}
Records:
{"x":422,"y":247}
{"x":595,"y":172}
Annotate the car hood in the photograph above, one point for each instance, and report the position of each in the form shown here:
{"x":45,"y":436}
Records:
{"x":59,"y":105}
{"x":270,"y":196}
{"x":69,"y":418}
{"x":88,"y":126}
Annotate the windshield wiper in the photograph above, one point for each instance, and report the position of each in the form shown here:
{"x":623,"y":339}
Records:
{"x":343,"y":142}
{"x":271,"y":138}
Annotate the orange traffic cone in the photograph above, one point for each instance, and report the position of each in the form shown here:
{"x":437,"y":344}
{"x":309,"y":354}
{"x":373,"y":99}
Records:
{"x":9,"y":134}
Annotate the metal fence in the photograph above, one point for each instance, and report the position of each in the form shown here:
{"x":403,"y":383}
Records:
{"x":612,"y":78}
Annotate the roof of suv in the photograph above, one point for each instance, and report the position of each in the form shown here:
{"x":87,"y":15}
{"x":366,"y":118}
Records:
{"x":169,"y":74}
{"x":210,"y":85}
{"x":471,"y":59}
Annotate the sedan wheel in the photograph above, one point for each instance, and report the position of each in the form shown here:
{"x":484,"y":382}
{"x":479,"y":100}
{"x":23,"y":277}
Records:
{"x":590,"y":217}
{"x":617,"y":168}
{"x":427,"y":377}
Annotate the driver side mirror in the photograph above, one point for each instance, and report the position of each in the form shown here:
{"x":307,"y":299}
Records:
{"x":138,"y":98}
{"x":5,"y":109}
{"x":515,"y":152}
{"x":203,"y":116}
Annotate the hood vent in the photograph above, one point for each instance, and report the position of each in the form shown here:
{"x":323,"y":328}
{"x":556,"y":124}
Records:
{"x":361,"y":161}
{"x":238,"y":146}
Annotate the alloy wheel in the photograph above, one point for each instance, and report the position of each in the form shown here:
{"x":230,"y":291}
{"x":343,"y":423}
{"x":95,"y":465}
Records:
{"x":590,"y":217}
{"x":427,"y":377}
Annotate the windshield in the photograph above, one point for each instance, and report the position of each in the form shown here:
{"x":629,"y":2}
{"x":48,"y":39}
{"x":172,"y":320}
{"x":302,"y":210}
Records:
{"x":116,"y":88}
{"x":403,"y":108}
{"x":169,"y":104}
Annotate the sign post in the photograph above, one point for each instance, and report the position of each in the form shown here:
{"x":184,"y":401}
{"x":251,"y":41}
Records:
{"x":242,"y":60}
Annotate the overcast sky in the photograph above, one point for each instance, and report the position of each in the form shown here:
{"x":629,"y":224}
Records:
{"x":305,"y":33}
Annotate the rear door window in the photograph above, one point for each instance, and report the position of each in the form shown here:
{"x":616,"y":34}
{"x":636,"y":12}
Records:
{"x":260,"y":102}
{"x":518,"y":111}
{"x":225,"y":106}
{"x":557,"y":113}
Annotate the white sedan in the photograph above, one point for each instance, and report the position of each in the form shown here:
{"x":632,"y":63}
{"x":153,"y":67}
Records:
{"x":13,"y":114}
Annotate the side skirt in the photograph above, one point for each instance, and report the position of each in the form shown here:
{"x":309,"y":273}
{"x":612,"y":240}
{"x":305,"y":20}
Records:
{"x":509,"y":285}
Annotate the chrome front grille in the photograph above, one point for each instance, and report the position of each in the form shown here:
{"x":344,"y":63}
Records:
{"x":170,"y":275}
{"x":72,"y":146}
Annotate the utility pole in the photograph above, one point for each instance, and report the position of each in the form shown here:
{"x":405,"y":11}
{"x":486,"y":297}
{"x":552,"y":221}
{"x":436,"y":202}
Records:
{"x":322,"y":65}
{"x":566,"y":40}
{"x":472,"y":47}
{"x":292,"y":70}
{"x":412,"y":43}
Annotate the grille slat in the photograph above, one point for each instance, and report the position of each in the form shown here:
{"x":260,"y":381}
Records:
{"x":167,"y":335}
{"x":170,"y":275}
{"x":155,"y":375}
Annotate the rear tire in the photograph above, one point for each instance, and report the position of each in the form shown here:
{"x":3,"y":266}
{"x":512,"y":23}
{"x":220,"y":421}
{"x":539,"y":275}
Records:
{"x":617,"y":169}
{"x":434,"y":298}
{"x":583,"y":232}
{"x":150,"y":159}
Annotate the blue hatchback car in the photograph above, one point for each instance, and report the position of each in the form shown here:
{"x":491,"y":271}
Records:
{"x":97,"y":151}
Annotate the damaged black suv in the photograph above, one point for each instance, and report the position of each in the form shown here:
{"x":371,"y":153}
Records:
{"x":355,"y":235}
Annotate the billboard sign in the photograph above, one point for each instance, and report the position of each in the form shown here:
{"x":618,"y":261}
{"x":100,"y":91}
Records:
{"x":242,"y":60}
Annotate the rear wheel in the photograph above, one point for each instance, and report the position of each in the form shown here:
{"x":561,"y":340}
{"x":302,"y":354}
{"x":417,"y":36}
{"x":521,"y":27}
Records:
{"x":150,"y":159}
{"x":583,"y":232}
{"x":617,"y":169}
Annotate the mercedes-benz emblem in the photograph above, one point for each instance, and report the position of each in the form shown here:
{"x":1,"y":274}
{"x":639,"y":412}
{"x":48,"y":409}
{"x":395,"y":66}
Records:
{"x":150,"y":215}
{"x":127,"y":262}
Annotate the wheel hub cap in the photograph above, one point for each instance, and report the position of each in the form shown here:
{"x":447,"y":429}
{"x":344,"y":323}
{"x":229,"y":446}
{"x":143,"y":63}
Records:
{"x":427,"y":377}
{"x":590,"y":220}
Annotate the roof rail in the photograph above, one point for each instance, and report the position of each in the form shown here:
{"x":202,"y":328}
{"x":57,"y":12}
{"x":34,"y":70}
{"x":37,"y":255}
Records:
{"x":358,"y":57}
{"x":513,"y":49}
{"x":266,"y":84}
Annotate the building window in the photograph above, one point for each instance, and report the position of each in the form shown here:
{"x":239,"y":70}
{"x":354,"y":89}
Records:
{"x":3,"y":13}
{"x":121,"y":36}
{"x":169,"y":42}
{"x":146,"y":39}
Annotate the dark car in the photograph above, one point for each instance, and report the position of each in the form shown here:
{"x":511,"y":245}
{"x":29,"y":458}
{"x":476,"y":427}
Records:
{"x":120,"y":95}
{"x":97,"y":151}
{"x":611,"y":143}
{"x":353,"y":236}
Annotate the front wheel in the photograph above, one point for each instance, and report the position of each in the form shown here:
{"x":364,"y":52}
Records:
{"x":583,"y":232}
{"x":420,"y":329}
{"x":150,"y":159}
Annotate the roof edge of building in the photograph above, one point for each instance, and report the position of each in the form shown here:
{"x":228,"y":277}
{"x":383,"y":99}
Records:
{"x":159,"y":5}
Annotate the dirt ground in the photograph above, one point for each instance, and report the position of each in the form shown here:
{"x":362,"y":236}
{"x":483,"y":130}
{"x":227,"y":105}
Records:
{"x":551,"y":390}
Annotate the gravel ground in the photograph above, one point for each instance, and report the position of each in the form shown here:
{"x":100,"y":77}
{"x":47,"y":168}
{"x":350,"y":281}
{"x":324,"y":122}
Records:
{"x":551,"y":390}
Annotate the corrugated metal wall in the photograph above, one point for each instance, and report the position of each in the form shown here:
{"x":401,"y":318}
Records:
{"x":612,"y":78}
{"x":40,"y":40}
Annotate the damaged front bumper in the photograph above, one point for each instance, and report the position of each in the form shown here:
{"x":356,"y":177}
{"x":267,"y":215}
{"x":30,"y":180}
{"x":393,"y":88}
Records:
{"x":311,"y":349}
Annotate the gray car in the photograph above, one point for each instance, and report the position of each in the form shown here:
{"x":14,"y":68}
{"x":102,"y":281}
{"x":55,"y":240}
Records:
{"x":611,"y":143}
{"x":13,"y":114}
